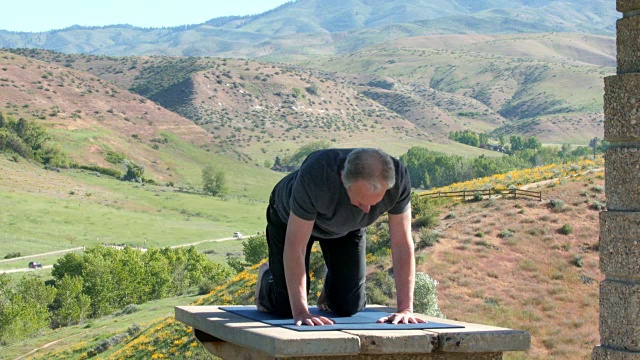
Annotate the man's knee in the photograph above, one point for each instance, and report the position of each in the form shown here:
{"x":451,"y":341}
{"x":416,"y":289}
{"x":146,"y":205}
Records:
{"x":348,"y":304}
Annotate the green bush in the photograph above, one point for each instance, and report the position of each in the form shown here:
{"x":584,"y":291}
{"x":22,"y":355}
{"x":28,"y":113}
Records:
{"x":380,"y":288}
{"x":577,"y":261}
{"x":556,"y":205}
{"x":105,"y":171}
{"x":427,"y":238}
{"x":566,"y":229}
{"x":255,"y":249}
{"x":425,"y":298}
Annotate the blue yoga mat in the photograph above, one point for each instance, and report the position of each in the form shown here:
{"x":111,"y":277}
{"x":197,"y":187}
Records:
{"x":364,"y":320}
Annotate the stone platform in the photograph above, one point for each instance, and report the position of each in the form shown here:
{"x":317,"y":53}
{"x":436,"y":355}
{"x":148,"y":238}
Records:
{"x":231,"y":336}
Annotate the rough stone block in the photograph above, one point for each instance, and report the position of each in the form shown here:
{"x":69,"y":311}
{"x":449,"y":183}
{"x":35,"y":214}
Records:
{"x":620,"y":243}
{"x":603,"y":353}
{"x":622,"y":108}
{"x":621,"y":179}
{"x":628,"y":40}
{"x":627,"y":5}
{"x":620,"y":315}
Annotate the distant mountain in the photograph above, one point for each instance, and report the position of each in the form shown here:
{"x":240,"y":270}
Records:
{"x":327,"y":27}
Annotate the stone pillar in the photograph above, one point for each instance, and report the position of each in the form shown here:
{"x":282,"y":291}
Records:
{"x":620,"y":225}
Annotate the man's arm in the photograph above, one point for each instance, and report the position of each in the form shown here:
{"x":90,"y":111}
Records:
{"x":296,"y":240}
{"x":404,"y":267}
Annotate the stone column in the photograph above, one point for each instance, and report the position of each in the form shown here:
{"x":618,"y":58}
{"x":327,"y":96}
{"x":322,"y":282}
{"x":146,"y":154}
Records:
{"x":620,"y":225}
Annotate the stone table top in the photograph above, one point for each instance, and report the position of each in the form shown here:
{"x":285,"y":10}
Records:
{"x":279,"y":342}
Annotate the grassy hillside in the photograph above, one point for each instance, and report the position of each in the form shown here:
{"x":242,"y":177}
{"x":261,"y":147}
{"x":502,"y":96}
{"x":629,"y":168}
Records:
{"x":485,"y":83}
{"x":521,"y":268}
{"x":256,"y":111}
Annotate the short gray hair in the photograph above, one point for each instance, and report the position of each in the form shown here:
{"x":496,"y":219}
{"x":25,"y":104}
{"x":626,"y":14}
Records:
{"x":371,"y":165}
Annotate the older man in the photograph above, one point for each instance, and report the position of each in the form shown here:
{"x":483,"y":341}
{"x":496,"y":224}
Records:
{"x":331,"y":199}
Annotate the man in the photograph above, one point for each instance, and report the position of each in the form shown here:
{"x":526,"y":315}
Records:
{"x":331,"y":199}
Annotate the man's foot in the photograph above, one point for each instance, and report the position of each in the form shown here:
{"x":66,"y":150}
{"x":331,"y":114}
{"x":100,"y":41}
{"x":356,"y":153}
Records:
{"x":323,"y":303}
{"x":256,"y":300}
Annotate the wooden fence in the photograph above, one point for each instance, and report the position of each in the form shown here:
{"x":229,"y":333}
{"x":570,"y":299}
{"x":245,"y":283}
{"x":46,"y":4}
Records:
{"x":472,"y":194}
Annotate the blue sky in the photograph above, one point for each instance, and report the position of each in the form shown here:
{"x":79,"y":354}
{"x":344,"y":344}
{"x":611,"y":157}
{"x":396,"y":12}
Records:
{"x":44,"y":15}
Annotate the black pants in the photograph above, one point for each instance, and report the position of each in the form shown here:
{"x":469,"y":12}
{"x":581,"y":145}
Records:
{"x":345,"y":258}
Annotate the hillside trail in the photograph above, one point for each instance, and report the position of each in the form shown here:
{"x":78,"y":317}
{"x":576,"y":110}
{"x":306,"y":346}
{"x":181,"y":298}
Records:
{"x":523,"y":187}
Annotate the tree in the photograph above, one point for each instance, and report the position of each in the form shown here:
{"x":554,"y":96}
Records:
{"x":214,"y":182}
{"x":298,"y":157}
{"x":501,"y":140}
{"x":24,"y":308}
{"x":533,"y":143}
{"x":134,"y":172}
{"x":516,"y":143}
{"x":255,"y":249}
{"x":70,"y":305}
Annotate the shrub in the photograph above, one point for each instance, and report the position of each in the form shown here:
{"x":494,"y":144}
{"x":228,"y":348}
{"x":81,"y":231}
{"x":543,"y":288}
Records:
{"x":577,"y":261}
{"x":13,"y":255}
{"x":506,"y":233}
{"x":566,"y":229}
{"x":380,"y":288}
{"x":255,"y":249}
{"x":556,"y":205}
{"x":597,"y":205}
{"x":127,"y":310}
{"x":427,"y":238}
{"x":425,"y":299}
{"x":236,"y":263}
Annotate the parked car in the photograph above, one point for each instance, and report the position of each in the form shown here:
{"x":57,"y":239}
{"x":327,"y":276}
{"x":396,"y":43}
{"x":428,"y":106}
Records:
{"x":35,"y":265}
{"x":237,"y":235}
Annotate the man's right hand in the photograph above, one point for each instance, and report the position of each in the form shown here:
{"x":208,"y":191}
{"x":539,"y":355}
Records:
{"x":311,"y":320}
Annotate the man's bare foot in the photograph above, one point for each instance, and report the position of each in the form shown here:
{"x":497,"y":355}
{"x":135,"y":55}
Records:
{"x":256,"y":300}
{"x":323,"y":304}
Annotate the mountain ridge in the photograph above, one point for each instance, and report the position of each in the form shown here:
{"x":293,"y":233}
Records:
{"x":327,"y":23}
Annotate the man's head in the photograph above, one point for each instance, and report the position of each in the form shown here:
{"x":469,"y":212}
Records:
{"x":367,"y":175}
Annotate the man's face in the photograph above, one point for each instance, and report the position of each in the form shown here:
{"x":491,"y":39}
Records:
{"x":363,"y":197}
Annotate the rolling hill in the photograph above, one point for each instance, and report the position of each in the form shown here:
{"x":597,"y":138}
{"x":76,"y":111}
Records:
{"x":412,"y":89}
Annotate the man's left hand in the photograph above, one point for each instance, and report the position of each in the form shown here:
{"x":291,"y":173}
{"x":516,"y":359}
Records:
{"x":401,"y":317}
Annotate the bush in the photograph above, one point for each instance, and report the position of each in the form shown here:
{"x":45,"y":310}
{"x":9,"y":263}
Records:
{"x":13,"y":255}
{"x":425,"y":298}
{"x":427,"y":238}
{"x":566,"y":229}
{"x":505,"y":234}
{"x":104,"y":171}
{"x":255,"y":249}
{"x":381,"y":242}
{"x":380,"y":288}
{"x":236,"y":263}
{"x":577,"y":261}
{"x":556,"y":205}
{"x":129,"y":309}
{"x":597,"y":205}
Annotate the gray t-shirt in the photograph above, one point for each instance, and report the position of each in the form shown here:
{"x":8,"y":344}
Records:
{"x":315,"y":192}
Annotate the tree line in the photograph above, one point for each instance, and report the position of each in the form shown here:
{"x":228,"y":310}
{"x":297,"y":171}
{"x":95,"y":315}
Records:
{"x":430,"y":169}
{"x":99,"y":282}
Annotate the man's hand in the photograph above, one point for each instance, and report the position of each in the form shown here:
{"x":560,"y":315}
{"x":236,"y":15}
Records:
{"x":311,"y":320}
{"x":401,"y":317}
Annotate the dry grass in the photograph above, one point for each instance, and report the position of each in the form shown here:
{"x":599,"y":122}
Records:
{"x":520,"y":272}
